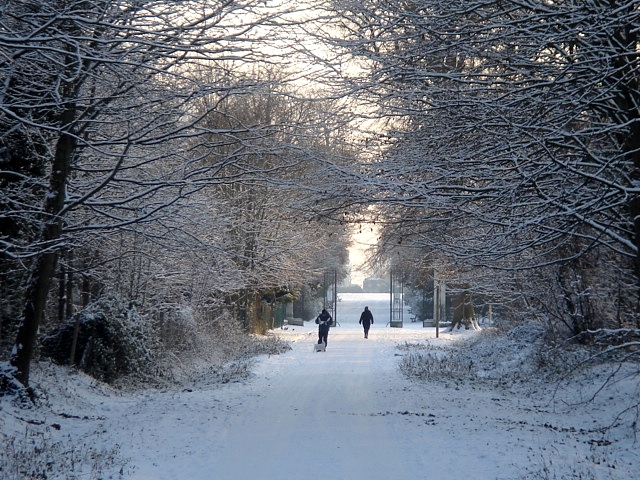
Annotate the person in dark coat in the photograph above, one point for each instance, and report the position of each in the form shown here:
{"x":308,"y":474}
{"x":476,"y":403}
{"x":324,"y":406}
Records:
{"x":366,"y":319}
{"x":324,"y":322}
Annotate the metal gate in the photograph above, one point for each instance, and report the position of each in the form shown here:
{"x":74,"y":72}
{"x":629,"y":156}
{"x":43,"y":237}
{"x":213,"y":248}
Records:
{"x":396,"y":299}
{"x":439,"y":301}
{"x":330,"y":300}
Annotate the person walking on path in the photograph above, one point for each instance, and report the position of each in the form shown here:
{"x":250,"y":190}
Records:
{"x":366,"y":319}
{"x":324,"y":322}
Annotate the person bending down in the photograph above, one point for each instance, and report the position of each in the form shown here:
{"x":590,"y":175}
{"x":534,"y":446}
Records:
{"x":324,"y":322}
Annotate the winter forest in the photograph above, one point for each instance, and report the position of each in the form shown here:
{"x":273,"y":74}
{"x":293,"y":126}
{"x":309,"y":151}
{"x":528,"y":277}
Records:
{"x":169,"y":170}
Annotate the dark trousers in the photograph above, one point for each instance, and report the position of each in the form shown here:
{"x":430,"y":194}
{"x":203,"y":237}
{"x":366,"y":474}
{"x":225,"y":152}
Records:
{"x":322,"y":336}
{"x":366,"y":330}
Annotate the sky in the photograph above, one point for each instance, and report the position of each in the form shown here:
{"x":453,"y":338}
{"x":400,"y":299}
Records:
{"x":361,"y":240}
{"x":345,"y":414}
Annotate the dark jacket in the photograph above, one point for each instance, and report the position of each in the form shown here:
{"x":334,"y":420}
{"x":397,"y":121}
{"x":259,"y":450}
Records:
{"x":324,"y":321}
{"x":366,"y":318}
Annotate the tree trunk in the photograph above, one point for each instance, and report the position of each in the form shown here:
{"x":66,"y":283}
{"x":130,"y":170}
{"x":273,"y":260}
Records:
{"x":43,"y":267}
{"x":62,"y":289}
{"x":627,"y":102}
{"x":69,"y":290}
{"x":464,"y":312}
{"x":634,"y":213}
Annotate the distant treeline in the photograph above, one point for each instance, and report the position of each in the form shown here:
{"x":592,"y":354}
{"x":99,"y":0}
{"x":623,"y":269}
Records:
{"x":370,"y":285}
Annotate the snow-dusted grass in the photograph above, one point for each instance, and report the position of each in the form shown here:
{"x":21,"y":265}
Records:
{"x":594,"y":400}
{"x":33,"y":443}
{"x":401,"y":404}
{"x":34,"y":454}
{"x":505,"y":357}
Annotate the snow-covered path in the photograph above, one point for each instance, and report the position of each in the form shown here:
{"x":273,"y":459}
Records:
{"x":323,"y":410}
{"x":322,"y":415}
{"x":339,"y":414}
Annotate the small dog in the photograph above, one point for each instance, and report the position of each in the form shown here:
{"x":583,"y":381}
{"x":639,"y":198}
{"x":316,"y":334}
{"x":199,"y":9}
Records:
{"x":320,"y":347}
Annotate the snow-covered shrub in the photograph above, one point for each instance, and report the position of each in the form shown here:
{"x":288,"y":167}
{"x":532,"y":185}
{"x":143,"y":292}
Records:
{"x":9,"y":384}
{"x":221,"y":351}
{"x":185,"y":345}
{"x":111,"y":341}
{"x":177,"y":327}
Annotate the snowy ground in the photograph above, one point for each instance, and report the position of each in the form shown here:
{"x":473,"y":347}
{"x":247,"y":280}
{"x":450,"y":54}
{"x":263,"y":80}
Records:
{"x":344,"y":414}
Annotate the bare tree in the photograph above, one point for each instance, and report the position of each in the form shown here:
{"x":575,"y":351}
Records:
{"x":95,"y":94}
{"x":269,"y":234}
{"x":514,"y":141}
